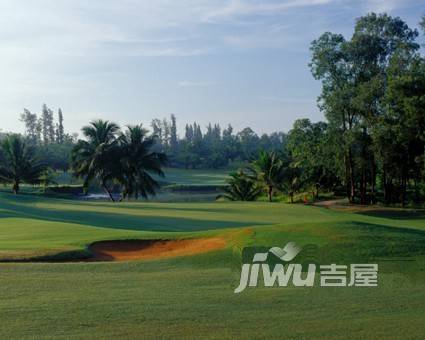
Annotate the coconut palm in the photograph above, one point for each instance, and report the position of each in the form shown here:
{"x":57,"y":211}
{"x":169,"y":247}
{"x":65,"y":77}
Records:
{"x":241,"y":187}
{"x":138,"y":162}
{"x":93,"y":158}
{"x":269,"y":168}
{"x":18,"y":163}
{"x":290,"y":182}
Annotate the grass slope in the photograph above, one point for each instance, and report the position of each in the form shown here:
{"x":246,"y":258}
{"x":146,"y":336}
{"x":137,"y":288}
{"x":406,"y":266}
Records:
{"x":172,"y":176}
{"x":193,"y":296}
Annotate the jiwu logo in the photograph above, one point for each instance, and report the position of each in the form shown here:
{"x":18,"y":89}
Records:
{"x":332,"y":275}
{"x":250,"y":271}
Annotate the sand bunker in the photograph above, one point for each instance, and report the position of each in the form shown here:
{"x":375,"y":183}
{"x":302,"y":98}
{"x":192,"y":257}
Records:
{"x":152,"y":249}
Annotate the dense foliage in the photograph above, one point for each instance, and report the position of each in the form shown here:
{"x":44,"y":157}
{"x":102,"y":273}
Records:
{"x":373,"y":98}
{"x":48,"y":137}
{"x":242,"y":186}
{"x":109,"y":156}
{"x":213,"y":148}
{"x":18,"y":163}
{"x":372,"y":146}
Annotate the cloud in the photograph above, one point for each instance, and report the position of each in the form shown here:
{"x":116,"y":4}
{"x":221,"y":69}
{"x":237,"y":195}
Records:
{"x":238,"y":8}
{"x":186,"y":83}
{"x":90,"y":28}
{"x":274,"y":36}
{"x":102,"y":54}
{"x":380,"y":6}
{"x":46,"y":29}
{"x":291,"y":100}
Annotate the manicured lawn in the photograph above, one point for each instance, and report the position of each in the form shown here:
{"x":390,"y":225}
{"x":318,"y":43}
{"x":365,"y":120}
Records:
{"x":195,"y":177}
{"x":172,"y":176}
{"x":193,"y":296}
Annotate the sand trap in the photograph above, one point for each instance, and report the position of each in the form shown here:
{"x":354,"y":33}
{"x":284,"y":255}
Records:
{"x":152,"y":249}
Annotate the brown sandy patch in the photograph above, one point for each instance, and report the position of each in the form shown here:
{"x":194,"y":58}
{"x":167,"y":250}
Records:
{"x":337,"y":203}
{"x":153,"y":249}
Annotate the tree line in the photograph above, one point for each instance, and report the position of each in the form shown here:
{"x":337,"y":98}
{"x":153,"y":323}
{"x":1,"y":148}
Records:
{"x":107,"y":156}
{"x":372,"y":145}
{"x":42,"y":129}
{"x":46,"y":135}
{"x":209,"y":148}
{"x":213,"y":147}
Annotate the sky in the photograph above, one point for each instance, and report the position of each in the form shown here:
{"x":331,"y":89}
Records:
{"x":239,"y":62}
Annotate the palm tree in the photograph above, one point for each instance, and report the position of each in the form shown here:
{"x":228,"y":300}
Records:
{"x":138,"y":162}
{"x":269,"y":168}
{"x":18,"y":163}
{"x":93,"y":158}
{"x":241,"y":187}
{"x":290,"y":182}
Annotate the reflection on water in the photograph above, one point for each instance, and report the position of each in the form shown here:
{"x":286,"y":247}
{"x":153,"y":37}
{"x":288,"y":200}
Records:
{"x":164,"y":196}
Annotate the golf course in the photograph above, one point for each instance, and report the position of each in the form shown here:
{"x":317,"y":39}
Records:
{"x":227,"y":169}
{"x":51,"y":289}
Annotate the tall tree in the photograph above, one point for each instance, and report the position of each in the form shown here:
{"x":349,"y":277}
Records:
{"x":422,"y":23}
{"x":330,"y":64}
{"x":48,"y":129}
{"x":173,"y":135}
{"x":312,"y":153}
{"x":31,"y":125}
{"x":60,"y":128}
{"x":400,"y":135}
{"x":230,"y":144}
{"x":138,"y":162}
{"x":269,"y":170}
{"x":93,"y":158}
{"x":354,"y":78}
{"x":249,"y":143}
{"x":18,"y":163}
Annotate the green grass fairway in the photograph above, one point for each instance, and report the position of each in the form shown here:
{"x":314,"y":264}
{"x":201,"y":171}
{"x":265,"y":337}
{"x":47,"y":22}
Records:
{"x":193,"y":177}
{"x":178,"y":176}
{"x":193,"y":296}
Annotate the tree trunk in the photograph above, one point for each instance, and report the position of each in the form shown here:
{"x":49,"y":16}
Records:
{"x":109,"y":193}
{"x":365,"y":163}
{"x":351,"y":175}
{"x":270,"y":193}
{"x":403,"y":193}
{"x":373,"y":182}
{"x":403,"y":190}
{"x":363,"y":186}
{"x":389,"y":190}
{"x":15,"y":187}
{"x":122,"y":197}
{"x":347,"y":176}
{"x":317,"y":191}
{"x":385,"y":182}
{"x":415,"y":183}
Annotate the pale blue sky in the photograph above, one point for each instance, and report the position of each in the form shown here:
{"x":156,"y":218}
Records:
{"x":239,"y":62}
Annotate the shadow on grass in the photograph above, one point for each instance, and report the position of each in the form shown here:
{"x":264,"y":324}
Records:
{"x":365,"y":241}
{"x":116,"y":220}
{"x":164,"y":206}
{"x":396,"y":214}
{"x":83,"y":255}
